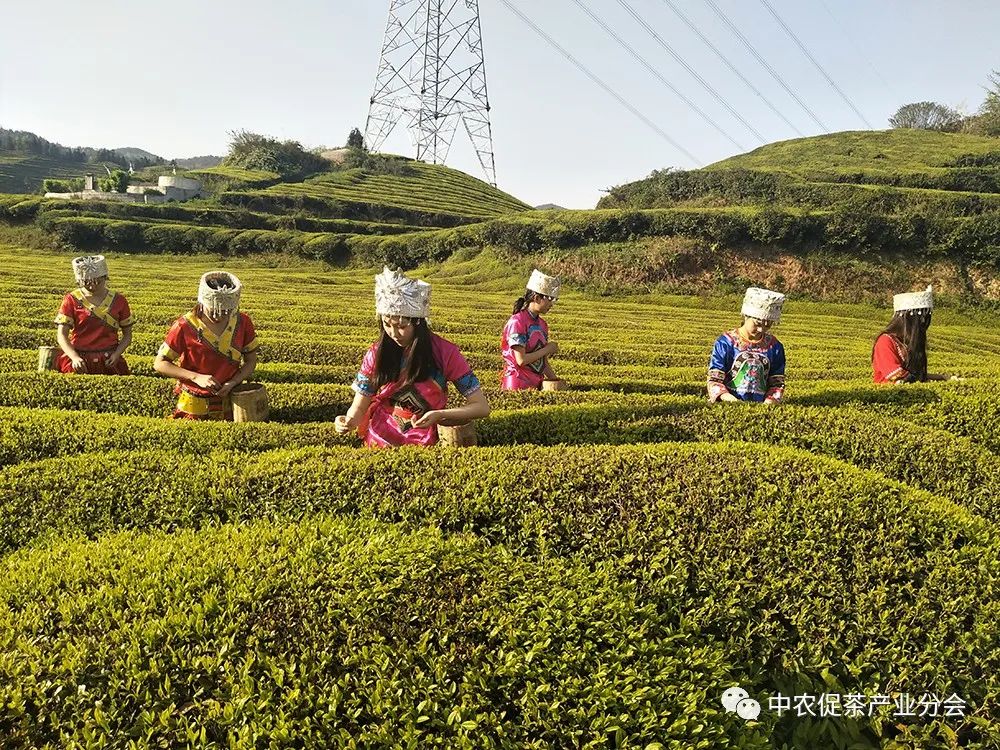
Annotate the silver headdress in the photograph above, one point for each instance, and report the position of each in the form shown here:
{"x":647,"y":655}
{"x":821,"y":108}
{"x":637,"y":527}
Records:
{"x":763,"y":304}
{"x":219,"y":292}
{"x":395,"y":294}
{"x":542,"y":284}
{"x":87,"y":267}
{"x":910,"y":301}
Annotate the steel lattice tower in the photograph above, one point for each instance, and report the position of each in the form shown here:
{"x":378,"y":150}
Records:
{"x":432,"y":72}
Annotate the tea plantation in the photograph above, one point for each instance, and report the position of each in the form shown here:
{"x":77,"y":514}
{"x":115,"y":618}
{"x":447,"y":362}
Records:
{"x":609,"y":560}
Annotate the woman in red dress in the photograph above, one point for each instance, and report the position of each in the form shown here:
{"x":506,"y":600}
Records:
{"x":209,"y":350}
{"x":89,"y":322}
{"x":899,"y":354}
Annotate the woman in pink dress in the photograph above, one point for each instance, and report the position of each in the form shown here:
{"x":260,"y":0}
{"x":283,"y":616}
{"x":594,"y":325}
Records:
{"x":525,"y":346}
{"x":401,"y":390}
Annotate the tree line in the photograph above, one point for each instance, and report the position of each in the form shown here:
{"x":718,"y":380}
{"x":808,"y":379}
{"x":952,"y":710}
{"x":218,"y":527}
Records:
{"x":936,"y":116}
{"x":26,"y":142}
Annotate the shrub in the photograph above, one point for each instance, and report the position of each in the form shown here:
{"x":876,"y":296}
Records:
{"x":712,"y":537}
{"x":62,"y":186}
{"x":330,"y":632}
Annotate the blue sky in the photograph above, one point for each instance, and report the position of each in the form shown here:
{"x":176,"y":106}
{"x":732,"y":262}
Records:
{"x":174,"y":77}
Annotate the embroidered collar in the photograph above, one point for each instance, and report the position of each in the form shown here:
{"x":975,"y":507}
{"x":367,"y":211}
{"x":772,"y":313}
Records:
{"x":222,"y":343}
{"x":744,"y":343}
{"x":102,"y":311}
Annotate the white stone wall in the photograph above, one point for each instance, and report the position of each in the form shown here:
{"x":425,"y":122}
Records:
{"x":134,"y":193}
{"x":184,"y":183}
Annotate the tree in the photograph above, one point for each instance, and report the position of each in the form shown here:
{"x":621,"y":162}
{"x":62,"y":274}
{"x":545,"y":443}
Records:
{"x":116,"y":182}
{"x":254,"y":151}
{"x":355,"y":139}
{"x":926,"y":116}
{"x":989,"y":113}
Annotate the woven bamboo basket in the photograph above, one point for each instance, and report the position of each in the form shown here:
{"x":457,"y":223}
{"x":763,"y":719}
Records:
{"x":47,"y":358}
{"x":250,"y":403}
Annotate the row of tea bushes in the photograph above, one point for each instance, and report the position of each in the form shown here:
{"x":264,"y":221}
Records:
{"x":335,"y":633}
{"x":974,"y":238}
{"x":825,"y":560}
{"x":749,"y":186}
{"x":25,"y":360}
{"x":153,"y":396}
{"x":924,"y":457}
{"x":212,"y":215}
{"x":34,"y":434}
{"x":321,"y":348}
{"x":283,"y":202}
{"x":583,"y":376}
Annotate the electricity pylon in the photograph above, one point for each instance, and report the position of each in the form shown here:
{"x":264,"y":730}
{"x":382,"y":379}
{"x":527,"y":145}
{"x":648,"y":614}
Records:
{"x":432,"y":73}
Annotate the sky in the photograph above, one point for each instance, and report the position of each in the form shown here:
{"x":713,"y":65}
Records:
{"x":176,"y":77}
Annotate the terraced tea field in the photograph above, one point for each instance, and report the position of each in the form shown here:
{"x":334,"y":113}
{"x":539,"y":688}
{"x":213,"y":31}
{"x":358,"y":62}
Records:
{"x":23,"y":173}
{"x":595,"y":575}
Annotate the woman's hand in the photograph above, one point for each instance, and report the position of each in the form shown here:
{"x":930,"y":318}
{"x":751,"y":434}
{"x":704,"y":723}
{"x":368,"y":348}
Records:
{"x":206,"y":381}
{"x":551,"y":348}
{"x":344,"y":424}
{"x":112,"y":359}
{"x":428,"y":419}
{"x":226,"y":388}
{"x":79,"y":363}
{"x":728,"y":397}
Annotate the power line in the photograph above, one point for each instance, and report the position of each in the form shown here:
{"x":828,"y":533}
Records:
{"x":859,"y":49}
{"x":774,"y":74}
{"x":583,"y":69}
{"x":642,"y":61}
{"x":683,"y":63}
{"x":812,"y":59}
{"x":729,"y":65}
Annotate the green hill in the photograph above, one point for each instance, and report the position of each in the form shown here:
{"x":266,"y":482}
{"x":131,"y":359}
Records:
{"x":23,"y":173}
{"x":822,"y":204}
{"x":876,"y":156}
{"x":382,"y":213}
{"x":408,"y":186}
{"x":915,"y":168}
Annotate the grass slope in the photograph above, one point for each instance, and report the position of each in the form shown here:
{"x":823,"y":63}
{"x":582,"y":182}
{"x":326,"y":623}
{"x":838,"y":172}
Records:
{"x":899,"y":150}
{"x":430,"y":188}
{"x":23,"y":173}
{"x":954,"y":173}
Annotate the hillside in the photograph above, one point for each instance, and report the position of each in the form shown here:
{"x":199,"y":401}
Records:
{"x":24,"y":173}
{"x":905,"y":208}
{"x":370,"y":215}
{"x":882,"y":157}
{"x":914,"y":169}
{"x":26,"y":159}
{"x":430,"y":188}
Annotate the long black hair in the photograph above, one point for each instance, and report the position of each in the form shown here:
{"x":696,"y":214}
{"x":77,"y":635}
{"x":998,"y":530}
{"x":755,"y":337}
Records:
{"x":909,"y":328}
{"x":521,"y":302}
{"x":389,"y":356}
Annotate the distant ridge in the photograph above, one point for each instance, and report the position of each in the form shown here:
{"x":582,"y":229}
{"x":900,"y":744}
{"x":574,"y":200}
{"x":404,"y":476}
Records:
{"x":26,"y":159}
{"x":133,"y":152}
{"x":199,"y":162}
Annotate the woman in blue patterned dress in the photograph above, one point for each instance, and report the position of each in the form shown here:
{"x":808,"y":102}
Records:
{"x":748,"y":363}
